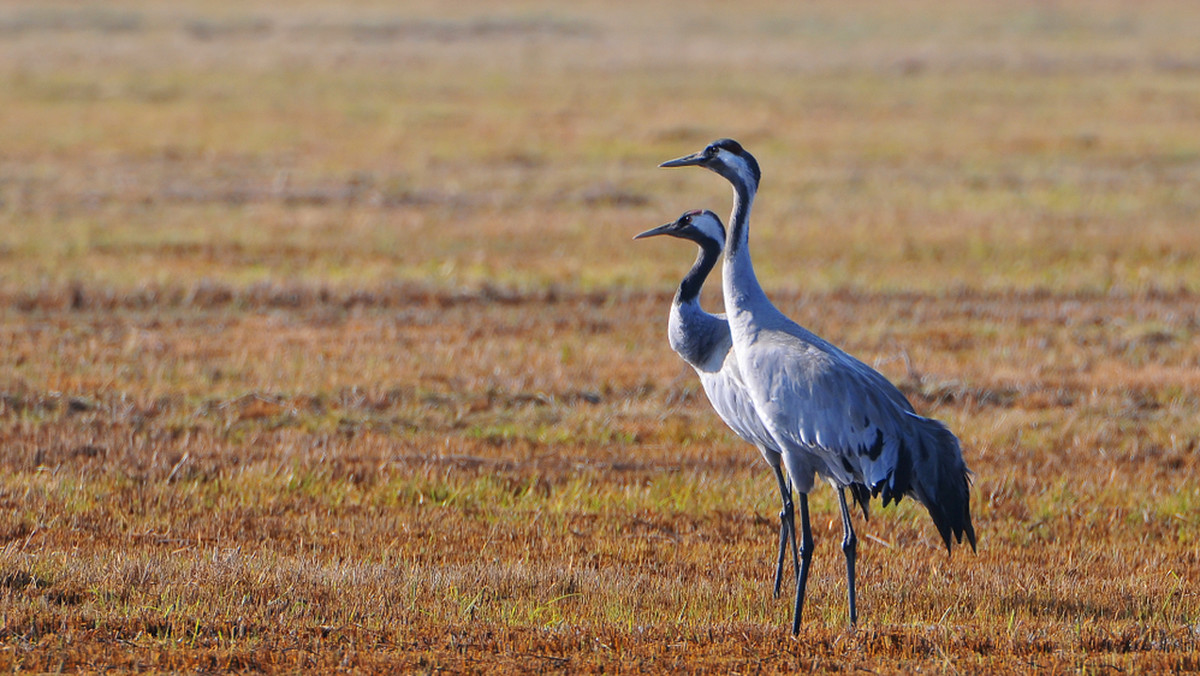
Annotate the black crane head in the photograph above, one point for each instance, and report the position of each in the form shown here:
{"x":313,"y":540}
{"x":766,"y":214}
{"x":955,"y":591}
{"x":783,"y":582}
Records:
{"x":727,"y":158}
{"x":700,"y":226}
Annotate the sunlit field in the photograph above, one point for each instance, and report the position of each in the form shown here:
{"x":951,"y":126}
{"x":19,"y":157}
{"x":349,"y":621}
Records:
{"x":325,"y":344}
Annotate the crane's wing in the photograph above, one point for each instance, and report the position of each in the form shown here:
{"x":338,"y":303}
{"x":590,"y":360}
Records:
{"x":816,"y":397}
{"x":820,"y":399}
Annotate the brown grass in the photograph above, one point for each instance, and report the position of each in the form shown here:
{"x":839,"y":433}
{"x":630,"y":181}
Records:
{"x":324,"y":345}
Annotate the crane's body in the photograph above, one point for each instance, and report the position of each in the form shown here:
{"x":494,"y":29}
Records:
{"x":704,"y":341}
{"x":828,"y":413}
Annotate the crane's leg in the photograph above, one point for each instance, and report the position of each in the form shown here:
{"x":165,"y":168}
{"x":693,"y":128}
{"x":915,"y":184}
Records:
{"x":806,"y":551}
{"x":849,"y":547}
{"x":787,"y":527}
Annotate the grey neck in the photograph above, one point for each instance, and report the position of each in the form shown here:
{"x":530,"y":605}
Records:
{"x":742,"y":290}
{"x":700,"y":338}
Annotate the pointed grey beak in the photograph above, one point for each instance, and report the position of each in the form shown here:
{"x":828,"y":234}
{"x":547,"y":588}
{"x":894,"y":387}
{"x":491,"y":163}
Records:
{"x":663,"y":229}
{"x":685,"y":161}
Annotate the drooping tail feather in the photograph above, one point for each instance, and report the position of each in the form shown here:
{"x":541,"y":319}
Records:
{"x":930,"y":468}
{"x":862,"y":497}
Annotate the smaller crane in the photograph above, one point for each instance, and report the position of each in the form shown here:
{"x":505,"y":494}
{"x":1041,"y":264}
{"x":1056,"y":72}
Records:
{"x":703,"y":341}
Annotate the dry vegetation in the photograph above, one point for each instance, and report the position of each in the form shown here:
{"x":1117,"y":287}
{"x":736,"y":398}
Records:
{"x":324,"y":345}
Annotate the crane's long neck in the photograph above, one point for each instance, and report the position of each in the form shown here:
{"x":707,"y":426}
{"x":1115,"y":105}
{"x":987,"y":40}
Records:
{"x":743,"y":294}
{"x":693,"y":281}
{"x":700,"y":338}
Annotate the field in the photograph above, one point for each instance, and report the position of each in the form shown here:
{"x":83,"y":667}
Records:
{"x":325,"y":345}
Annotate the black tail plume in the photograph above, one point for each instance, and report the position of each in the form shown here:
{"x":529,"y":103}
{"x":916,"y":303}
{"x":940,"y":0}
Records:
{"x":939,"y":479}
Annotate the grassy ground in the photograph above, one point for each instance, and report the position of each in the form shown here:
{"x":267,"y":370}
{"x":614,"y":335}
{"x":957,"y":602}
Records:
{"x":325,"y":345}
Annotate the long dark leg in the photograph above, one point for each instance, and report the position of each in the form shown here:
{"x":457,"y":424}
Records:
{"x":806,"y":551}
{"x":787,"y":526}
{"x":849,"y":547}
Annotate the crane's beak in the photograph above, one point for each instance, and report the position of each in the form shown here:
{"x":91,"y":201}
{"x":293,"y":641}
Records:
{"x":664,"y":229}
{"x":685,"y":161}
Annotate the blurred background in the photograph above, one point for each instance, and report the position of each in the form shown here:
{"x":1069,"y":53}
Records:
{"x":917,"y":145}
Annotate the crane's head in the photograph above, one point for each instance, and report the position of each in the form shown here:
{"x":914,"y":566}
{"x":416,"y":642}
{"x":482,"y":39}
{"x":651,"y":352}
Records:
{"x":700,"y":226}
{"x":727,"y":158}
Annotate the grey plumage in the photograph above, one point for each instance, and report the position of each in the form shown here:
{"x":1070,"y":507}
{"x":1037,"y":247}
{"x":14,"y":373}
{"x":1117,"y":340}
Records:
{"x":830,"y":414}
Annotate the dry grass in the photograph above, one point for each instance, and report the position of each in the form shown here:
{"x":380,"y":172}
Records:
{"x":324,"y":345}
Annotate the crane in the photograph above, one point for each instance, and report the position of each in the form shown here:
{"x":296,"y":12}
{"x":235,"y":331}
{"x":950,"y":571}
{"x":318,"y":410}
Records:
{"x":703,"y":341}
{"x":831,"y":415}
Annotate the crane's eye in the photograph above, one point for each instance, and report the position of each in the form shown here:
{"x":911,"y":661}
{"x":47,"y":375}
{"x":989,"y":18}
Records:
{"x":686,"y":220}
{"x":710,"y":151}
